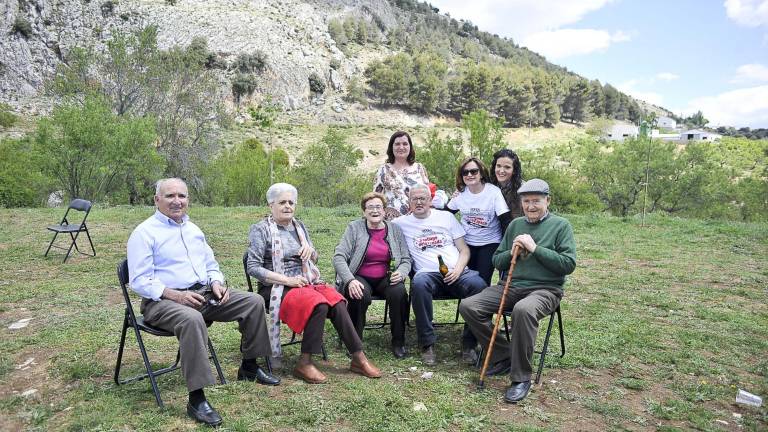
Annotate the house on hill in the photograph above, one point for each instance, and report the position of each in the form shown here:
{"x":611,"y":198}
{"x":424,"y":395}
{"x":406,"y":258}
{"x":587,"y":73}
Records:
{"x":619,"y":132}
{"x":666,"y":122}
{"x":699,"y":135}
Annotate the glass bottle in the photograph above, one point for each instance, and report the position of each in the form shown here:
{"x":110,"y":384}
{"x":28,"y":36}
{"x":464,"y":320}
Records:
{"x":443,"y":267}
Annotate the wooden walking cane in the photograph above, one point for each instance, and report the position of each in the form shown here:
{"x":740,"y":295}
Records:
{"x":489,"y":351}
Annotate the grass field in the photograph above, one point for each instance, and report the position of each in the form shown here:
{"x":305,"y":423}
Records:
{"x":662,"y":325}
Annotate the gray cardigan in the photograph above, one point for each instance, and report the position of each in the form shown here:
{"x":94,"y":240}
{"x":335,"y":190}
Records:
{"x":353,"y":245}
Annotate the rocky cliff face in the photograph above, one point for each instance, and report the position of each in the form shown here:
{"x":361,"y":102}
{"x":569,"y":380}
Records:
{"x":293,"y":34}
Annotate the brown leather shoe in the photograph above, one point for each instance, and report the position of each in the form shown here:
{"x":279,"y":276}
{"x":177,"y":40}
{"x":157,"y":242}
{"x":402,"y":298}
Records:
{"x":364,"y":368}
{"x":309,"y":373}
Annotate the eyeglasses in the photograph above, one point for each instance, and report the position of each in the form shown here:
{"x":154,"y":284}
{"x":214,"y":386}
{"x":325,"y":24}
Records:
{"x":471,"y":171}
{"x":420,"y":199}
{"x":374,"y":207}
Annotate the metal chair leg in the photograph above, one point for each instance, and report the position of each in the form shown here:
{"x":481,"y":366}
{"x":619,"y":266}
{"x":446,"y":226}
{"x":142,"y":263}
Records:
{"x":215,"y":358}
{"x":55,"y":234}
{"x":120,"y":351}
{"x":544,"y":348}
{"x":148,"y":366}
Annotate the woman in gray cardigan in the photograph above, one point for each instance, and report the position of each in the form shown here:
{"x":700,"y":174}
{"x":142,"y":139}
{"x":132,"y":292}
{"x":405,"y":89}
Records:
{"x":372,"y":258}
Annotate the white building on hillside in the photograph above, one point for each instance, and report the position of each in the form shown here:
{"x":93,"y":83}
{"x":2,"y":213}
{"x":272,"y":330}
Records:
{"x":618,"y":132}
{"x":666,"y":122}
{"x":699,"y":135}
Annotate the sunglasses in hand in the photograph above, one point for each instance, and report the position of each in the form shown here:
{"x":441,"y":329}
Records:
{"x":213,"y":301}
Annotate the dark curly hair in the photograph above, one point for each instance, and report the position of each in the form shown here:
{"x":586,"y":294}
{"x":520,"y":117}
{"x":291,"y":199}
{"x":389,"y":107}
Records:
{"x":517,"y":173}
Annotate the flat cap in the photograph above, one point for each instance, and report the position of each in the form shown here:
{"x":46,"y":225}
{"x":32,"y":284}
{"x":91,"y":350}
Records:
{"x":534,"y":186}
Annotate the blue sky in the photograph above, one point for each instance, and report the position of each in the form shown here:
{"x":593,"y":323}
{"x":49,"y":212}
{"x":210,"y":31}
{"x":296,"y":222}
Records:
{"x":683,"y":55}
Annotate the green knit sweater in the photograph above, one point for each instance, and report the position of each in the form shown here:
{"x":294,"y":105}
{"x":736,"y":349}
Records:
{"x":554,"y":257}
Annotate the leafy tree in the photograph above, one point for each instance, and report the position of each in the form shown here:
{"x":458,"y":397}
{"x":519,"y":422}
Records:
{"x":325,"y":172}
{"x":389,"y":80}
{"x":518,"y":104}
{"x":697,"y":120}
{"x":427,"y":89}
{"x":91,"y":152}
{"x":243,"y":85}
{"x":336,"y":30}
{"x":316,"y":83}
{"x":172,"y":88}
{"x":576,"y":104}
{"x":440,"y":157}
{"x":485,"y":134}
{"x":22,"y":183}
{"x":237,"y":176}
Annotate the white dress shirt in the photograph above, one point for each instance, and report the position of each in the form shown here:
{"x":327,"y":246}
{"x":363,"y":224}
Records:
{"x":164,"y":254}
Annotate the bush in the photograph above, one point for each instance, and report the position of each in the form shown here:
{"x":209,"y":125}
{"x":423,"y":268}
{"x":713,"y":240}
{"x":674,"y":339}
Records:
{"x":316,"y":83}
{"x":240,"y":176}
{"x":92,"y":152}
{"x":441,"y":157}
{"x":325,"y":172}
{"x":22,"y":26}
{"x":21,"y":181}
{"x":7,"y":118}
{"x":250,"y":63}
{"x":243,"y":85}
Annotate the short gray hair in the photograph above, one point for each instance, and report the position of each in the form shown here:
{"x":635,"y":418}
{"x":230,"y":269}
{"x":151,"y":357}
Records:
{"x":160,"y":183}
{"x":278,"y":189}
{"x":419,"y":186}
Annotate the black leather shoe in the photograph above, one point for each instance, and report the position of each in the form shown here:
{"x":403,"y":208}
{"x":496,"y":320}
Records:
{"x":398,"y":351}
{"x":260,"y":375}
{"x":517,"y":392}
{"x":499,"y":368}
{"x":204,"y":413}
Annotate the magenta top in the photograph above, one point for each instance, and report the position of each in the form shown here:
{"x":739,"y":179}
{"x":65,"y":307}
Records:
{"x":376,"y":262}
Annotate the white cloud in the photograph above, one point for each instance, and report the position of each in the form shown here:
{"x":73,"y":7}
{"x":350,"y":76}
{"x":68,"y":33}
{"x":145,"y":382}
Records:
{"x":750,"y":13}
{"x":738,"y":108}
{"x":630,"y":88}
{"x":570,"y":42}
{"x":666,"y":76}
{"x":520,"y":18}
{"x":750,"y":73}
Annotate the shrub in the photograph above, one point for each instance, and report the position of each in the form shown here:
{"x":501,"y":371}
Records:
{"x":316,"y":83}
{"x":21,"y":181}
{"x":325,"y":172}
{"x":243,"y":85}
{"x":441,"y":157}
{"x":240,"y":176}
{"x":7,"y":118}
{"x":249,"y":63}
{"x":22,"y":26}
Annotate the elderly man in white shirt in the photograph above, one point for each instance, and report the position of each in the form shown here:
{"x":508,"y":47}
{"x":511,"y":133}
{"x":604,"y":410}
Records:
{"x":174,"y":270}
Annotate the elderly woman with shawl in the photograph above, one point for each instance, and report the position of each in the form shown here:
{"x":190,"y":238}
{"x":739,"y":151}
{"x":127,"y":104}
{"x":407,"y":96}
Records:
{"x":282,"y":257}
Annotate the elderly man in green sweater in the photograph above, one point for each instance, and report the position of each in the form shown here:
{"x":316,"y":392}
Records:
{"x":548,"y":254}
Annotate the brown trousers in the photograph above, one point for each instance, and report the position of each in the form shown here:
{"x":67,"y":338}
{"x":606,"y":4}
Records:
{"x":528,"y":306}
{"x":189,"y":326}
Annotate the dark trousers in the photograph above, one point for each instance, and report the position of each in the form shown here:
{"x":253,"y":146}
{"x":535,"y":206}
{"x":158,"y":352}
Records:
{"x":480,"y":260}
{"x":425,"y":286}
{"x":189,"y":326}
{"x":395,"y":296}
{"x":528,"y":306}
{"x":312,"y":341}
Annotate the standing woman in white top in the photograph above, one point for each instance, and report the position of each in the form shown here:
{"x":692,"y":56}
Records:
{"x":399,"y":174}
{"x":483,"y":214}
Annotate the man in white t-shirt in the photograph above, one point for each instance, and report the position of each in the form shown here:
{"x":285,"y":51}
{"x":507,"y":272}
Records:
{"x":429,"y":233}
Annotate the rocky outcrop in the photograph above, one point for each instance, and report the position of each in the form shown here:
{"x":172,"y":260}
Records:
{"x":293,"y":34}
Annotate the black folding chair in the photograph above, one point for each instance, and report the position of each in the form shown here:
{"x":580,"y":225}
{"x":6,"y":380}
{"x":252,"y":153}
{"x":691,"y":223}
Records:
{"x":294,"y":339}
{"x":137,"y":323}
{"x":434,"y":298}
{"x":73,"y":229}
{"x":545,"y":346}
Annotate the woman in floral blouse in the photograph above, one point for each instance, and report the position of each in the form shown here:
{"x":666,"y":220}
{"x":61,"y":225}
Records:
{"x":399,"y":174}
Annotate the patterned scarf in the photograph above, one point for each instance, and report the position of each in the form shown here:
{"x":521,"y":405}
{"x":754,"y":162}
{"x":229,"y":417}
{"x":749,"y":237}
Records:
{"x":309,"y":270}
